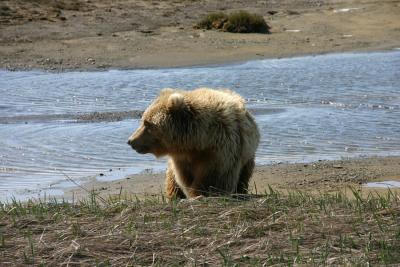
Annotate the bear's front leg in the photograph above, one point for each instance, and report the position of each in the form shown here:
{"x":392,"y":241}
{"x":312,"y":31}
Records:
{"x":244,"y":177}
{"x":196,"y":193}
{"x":200,"y":187}
{"x":215,"y":182}
{"x":172,"y":188}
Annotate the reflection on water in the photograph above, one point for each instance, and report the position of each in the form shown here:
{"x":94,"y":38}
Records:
{"x":307,"y":108}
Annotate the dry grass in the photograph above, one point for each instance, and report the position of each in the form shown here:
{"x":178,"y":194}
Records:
{"x":268,"y":229}
{"x":212,"y":21}
{"x":236,"y":22}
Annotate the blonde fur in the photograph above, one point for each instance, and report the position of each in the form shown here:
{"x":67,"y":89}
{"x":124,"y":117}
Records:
{"x":209,"y":137}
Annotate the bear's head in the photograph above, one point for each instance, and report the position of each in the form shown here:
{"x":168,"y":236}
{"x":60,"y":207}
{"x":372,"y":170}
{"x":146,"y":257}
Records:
{"x":163,"y":124}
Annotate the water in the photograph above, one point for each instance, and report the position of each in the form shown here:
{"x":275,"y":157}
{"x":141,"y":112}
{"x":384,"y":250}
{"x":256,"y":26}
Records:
{"x":307,"y":108}
{"x":384,"y":184}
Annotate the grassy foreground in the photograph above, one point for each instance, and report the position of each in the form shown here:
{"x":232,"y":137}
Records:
{"x":268,"y":229}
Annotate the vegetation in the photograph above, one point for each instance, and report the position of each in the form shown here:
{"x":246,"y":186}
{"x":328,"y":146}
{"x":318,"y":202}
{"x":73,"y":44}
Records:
{"x":244,"y":22}
{"x":238,"y":22}
{"x":273,"y":228}
{"x":213,"y":21}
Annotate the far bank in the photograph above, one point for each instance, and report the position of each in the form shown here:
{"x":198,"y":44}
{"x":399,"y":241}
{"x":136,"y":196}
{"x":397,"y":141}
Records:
{"x":146,"y":34}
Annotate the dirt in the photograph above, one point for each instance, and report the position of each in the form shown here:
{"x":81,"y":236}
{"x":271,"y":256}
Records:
{"x":103,"y":34}
{"x":315,"y":177}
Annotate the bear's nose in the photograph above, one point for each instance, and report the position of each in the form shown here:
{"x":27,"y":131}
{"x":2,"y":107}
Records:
{"x":130,"y":142}
{"x":134,"y":144}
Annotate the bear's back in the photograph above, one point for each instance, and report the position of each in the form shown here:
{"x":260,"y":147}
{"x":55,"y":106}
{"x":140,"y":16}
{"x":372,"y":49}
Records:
{"x":217,"y":100}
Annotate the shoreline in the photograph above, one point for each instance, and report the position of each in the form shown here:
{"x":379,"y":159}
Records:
{"x":318,"y":176}
{"x":227,"y":62}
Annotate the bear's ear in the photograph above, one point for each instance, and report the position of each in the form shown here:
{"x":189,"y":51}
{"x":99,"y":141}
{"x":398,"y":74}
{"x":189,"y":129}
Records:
{"x":167,"y":91}
{"x":176,"y":101}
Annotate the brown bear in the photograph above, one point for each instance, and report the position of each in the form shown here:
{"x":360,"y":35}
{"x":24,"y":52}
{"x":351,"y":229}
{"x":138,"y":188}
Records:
{"x":209,"y":137}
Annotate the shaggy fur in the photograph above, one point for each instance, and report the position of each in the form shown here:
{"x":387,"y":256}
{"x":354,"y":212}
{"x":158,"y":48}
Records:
{"x":209,"y":136}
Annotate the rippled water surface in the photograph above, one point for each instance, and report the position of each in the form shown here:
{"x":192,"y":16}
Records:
{"x":308,"y":108}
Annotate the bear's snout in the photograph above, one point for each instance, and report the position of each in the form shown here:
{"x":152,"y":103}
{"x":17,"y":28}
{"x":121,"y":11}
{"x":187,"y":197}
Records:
{"x":138,"y":146}
{"x":133,"y":143}
{"x":130,"y":142}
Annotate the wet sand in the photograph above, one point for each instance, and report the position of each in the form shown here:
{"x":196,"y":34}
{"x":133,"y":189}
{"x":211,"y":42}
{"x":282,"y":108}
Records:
{"x":320,"y":176}
{"x":88,"y":35}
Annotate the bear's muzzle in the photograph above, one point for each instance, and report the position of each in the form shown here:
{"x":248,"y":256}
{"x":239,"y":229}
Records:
{"x":137,"y":146}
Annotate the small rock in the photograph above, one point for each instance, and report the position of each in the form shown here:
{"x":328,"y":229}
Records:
{"x":292,"y":12}
{"x":146,"y":31}
{"x":337,"y":166}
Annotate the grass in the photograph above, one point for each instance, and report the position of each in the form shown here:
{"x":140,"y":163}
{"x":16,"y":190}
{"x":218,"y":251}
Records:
{"x":213,"y":21}
{"x":272,"y":228}
{"x":236,"y":22}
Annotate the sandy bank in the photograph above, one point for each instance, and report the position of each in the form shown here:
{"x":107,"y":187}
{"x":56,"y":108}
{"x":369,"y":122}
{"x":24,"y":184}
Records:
{"x":145,"y":34}
{"x":325,"y":176}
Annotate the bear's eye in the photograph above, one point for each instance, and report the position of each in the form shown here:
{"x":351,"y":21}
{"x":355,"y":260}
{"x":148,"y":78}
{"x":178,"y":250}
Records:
{"x":147,"y":124}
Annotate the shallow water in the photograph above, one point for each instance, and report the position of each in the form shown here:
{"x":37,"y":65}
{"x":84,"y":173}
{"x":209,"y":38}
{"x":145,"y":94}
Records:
{"x":307,"y":108}
{"x":384,"y":184}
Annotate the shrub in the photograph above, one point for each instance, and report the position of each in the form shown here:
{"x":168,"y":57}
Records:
{"x":244,"y":22}
{"x":212,"y":20}
{"x":238,"y":22}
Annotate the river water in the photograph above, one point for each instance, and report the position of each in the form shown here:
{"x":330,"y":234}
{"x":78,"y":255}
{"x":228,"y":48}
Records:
{"x":308,"y":108}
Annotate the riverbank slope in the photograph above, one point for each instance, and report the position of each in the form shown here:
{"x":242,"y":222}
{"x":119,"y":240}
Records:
{"x":320,"y":176}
